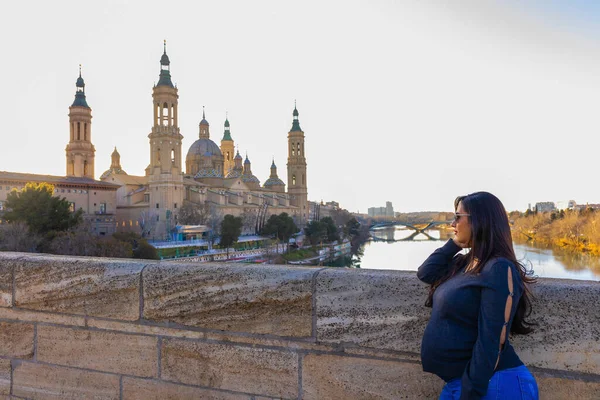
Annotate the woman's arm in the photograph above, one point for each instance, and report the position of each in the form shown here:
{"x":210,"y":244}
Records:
{"x":438,"y":263}
{"x":499,"y":297}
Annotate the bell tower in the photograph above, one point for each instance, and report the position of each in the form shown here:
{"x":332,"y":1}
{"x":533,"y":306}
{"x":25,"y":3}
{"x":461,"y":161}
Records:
{"x":296,"y":169}
{"x":227,"y":146}
{"x":165,"y":176}
{"x":80,"y":150}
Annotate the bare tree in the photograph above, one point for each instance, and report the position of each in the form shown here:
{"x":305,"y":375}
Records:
{"x":193,"y":213}
{"x":249,"y":217}
{"x":215,"y":216}
{"x":147,"y":223}
{"x":17,"y":237}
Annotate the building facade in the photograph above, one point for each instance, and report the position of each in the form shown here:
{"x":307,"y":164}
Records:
{"x":213,"y":174}
{"x":97,"y":199}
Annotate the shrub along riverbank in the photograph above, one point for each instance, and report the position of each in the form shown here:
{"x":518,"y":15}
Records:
{"x":573,"y":230}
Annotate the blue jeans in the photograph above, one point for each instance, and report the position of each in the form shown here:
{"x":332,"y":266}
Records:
{"x":509,"y":384}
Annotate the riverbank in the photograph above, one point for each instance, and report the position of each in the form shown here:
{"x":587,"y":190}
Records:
{"x":576,"y":231}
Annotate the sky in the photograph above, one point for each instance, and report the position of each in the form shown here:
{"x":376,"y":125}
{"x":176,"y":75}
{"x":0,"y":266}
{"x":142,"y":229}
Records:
{"x":413,"y":102}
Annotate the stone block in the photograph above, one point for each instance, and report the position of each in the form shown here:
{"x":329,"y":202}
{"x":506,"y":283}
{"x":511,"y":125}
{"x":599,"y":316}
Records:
{"x":107,"y":288}
{"x":4,"y":376}
{"x":37,"y":316}
{"x":560,"y":388}
{"x":102,"y":351}
{"x":143,"y":389}
{"x":252,"y":370}
{"x":378,"y":309}
{"x":253,"y":299}
{"x":340,"y":378}
{"x":567,"y":336}
{"x":7,"y":265}
{"x":16,"y":340}
{"x":45,"y":382}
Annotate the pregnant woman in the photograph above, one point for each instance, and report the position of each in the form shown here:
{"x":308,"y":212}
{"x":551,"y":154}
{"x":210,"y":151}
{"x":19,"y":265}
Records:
{"x":477,"y":298}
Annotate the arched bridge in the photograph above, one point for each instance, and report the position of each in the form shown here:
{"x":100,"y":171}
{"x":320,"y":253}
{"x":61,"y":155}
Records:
{"x":417,"y":230}
{"x":406,"y":224}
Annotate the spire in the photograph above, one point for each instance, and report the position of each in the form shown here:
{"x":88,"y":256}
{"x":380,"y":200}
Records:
{"x":247,"y":168}
{"x":116,"y":159}
{"x":204,"y":121}
{"x":227,"y":133}
{"x":273,"y":169}
{"x":165,"y":69}
{"x":204,"y":126}
{"x":80,"y":92}
{"x":296,"y":123}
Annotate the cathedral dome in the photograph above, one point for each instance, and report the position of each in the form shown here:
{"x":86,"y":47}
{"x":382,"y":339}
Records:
{"x":234,"y":173}
{"x":208,"y":173}
{"x":247,"y":178}
{"x":202,"y":146}
{"x":273,"y":182}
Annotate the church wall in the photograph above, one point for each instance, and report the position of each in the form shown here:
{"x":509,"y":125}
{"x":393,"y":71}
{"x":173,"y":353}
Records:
{"x":128,"y":218}
{"x":216,"y":196}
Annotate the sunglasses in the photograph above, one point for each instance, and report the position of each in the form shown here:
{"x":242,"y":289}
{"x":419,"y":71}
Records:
{"x":458,"y":215}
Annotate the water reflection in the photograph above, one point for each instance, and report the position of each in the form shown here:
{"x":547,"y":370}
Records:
{"x":396,"y":253}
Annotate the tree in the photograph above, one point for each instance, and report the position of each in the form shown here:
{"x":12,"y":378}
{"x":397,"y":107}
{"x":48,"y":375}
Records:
{"x":193,"y":213}
{"x":40,"y":210}
{"x":213,"y":222}
{"x":147,"y":222}
{"x":280,"y":226}
{"x":17,"y":237}
{"x":332,"y":230}
{"x":140,"y":247}
{"x":352,"y":227}
{"x":249,"y":218}
{"x":80,"y":241}
{"x":315,"y":231}
{"x":231,"y":229}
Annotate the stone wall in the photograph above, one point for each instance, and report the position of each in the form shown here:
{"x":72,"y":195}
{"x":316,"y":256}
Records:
{"x":83,"y":328}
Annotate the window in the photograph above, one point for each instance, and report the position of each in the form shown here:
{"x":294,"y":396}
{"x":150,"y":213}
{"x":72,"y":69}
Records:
{"x":156,"y":205}
{"x":78,"y":131}
{"x":1,"y":205}
{"x":175,"y":205}
{"x":72,"y":207}
{"x":294,"y":180}
{"x":102,"y":208}
{"x":303,"y":180}
{"x":298,"y":148}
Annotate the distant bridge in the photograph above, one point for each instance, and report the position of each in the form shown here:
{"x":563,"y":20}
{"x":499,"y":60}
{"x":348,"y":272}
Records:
{"x":406,"y":224}
{"x":417,"y":230}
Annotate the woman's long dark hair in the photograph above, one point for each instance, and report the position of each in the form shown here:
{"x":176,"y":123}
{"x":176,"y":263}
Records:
{"x":490,"y":238}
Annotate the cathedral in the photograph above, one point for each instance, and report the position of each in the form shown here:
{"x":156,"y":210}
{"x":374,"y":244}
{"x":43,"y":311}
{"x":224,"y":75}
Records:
{"x":211,"y":174}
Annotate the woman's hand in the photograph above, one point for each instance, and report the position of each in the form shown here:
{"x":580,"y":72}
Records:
{"x":462,"y":245}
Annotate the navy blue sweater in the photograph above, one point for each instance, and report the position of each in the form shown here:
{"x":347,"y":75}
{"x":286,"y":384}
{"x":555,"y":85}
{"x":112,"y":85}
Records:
{"x":462,"y":339}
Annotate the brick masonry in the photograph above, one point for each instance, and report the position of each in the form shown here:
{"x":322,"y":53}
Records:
{"x":77,"y":328}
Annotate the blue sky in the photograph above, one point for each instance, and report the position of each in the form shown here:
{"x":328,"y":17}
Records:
{"x":414,"y":102}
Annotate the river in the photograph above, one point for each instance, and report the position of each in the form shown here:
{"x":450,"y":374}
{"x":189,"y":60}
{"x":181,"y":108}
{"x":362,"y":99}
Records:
{"x":408,"y":255}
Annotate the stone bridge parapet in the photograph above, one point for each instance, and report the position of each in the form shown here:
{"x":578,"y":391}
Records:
{"x":79,"y":328}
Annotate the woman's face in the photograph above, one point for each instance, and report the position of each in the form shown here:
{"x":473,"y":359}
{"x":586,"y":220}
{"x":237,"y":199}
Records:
{"x":462,"y":226}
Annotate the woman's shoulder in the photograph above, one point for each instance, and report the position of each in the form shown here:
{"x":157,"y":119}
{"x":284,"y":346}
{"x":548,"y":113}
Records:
{"x":498,"y":265}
